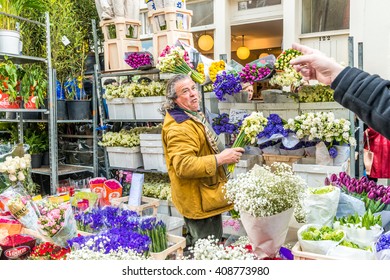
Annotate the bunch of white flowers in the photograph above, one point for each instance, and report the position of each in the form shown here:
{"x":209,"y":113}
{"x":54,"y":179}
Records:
{"x":114,"y":91}
{"x":209,"y":249}
{"x":286,"y":78}
{"x":265,"y":191}
{"x":87,"y":254}
{"x":253,"y":125}
{"x":16,"y":168}
{"x":322,"y":126}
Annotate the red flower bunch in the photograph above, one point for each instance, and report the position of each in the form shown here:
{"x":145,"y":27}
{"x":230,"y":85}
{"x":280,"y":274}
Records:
{"x":49,"y":251}
{"x":15,"y":240}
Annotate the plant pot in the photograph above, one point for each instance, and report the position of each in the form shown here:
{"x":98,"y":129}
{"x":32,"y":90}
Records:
{"x":79,"y":109}
{"x":62,"y":113}
{"x":90,"y":61}
{"x":10,"y":41}
{"x":45,"y":158}
{"x":5,"y":104}
{"x":36,"y":160}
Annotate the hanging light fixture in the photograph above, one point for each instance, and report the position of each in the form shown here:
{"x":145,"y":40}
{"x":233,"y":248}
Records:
{"x":243,"y":52}
{"x":205,"y":42}
{"x":264,"y":54}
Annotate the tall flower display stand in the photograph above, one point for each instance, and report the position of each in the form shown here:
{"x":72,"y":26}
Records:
{"x":170,"y":25}
{"x":120,"y":35}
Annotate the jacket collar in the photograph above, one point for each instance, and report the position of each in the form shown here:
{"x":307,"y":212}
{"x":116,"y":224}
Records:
{"x":178,"y":114}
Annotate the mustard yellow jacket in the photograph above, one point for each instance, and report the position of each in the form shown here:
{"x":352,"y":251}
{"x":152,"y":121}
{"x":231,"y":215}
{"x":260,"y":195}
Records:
{"x":196,"y":181}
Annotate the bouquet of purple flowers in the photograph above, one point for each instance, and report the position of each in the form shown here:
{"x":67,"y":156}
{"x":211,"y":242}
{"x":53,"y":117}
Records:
{"x":138,"y":59}
{"x":221,"y":124}
{"x":226,"y":83}
{"x":252,"y":73}
{"x":274,"y":126}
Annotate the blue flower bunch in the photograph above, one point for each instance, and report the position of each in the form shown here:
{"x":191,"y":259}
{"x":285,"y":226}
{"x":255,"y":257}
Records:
{"x":112,"y":240}
{"x":383,"y":242}
{"x":106,"y":218}
{"x":157,"y":232}
{"x":221,"y":124}
{"x":226,"y":83}
{"x":274,"y":126}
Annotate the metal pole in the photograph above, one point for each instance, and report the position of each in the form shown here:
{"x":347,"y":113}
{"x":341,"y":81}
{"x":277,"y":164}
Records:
{"x":52,"y":118}
{"x":95,"y":118}
{"x":95,"y":45}
{"x":361,"y":123}
{"x":351,"y":114}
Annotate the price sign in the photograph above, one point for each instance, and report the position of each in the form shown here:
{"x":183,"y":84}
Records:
{"x":237,"y":115}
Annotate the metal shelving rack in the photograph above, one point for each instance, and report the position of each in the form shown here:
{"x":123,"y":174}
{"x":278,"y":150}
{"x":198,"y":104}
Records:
{"x":54,"y":170}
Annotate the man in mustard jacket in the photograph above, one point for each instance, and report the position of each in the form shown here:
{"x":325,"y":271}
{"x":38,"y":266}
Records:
{"x":196,"y":161}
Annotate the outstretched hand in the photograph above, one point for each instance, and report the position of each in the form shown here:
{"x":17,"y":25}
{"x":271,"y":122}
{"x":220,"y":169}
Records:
{"x":314,"y":65}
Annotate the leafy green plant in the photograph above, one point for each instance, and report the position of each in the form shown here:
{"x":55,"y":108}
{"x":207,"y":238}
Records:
{"x":16,"y":8}
{"x":37,"y":141}
{"x":34,"y":83}
{"x":10,"y":76}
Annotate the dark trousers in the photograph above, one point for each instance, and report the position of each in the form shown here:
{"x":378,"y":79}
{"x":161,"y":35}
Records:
{"x":201,"y":229}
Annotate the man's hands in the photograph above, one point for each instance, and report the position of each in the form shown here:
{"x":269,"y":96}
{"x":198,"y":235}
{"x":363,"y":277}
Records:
{"x":314,"y":65}
{"x":230,"y":155}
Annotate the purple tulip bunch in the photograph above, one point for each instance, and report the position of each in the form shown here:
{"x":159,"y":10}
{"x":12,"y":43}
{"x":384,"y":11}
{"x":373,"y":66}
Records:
{"x":376,"y":197}
{"x":137,"y":59}
{"x":226,"y":83}
{"x":221,"y":125}
{"x":253,"y":73}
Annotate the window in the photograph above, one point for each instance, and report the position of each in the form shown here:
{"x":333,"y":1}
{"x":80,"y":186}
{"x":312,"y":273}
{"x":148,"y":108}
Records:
{"x":203,"y":12}
{"x":145,"y":24}
{"x":324,"y":15}
{"x":253,"y":4}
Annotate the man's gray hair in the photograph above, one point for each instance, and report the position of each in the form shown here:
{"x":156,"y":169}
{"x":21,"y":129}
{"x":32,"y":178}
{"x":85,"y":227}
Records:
{"x":170,"y":95}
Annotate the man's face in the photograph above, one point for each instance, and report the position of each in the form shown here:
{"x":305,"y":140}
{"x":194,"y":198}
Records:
{"x":187,"y":95}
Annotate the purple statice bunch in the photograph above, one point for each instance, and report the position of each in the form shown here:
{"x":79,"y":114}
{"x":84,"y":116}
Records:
{"x":274,"y":126}
{"x":112,"y":240}
{"x":383,"y":242}
{"x":221,"y":124}
{"x":226,"y":83}
{"x":251,"y":73}
{"x":106,"y":218}
{"x":137,"y":59}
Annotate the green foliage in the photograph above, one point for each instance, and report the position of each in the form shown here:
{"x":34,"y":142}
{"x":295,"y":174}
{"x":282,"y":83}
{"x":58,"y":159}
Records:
{"x":34,"y":83}
{"x":316,"y":93}
{"x":10,"y":74}
{"x":322,"y":190}
{"x":16,"y":8}
{"x":37,"y":141}
{"x":323,"y":233}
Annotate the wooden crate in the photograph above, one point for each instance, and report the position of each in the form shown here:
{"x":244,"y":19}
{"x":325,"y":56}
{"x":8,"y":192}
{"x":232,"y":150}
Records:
{"x":300,"y":255}
{"x":177,"y":247}
{"x":146,"y":204}
{"x":270,"y":159}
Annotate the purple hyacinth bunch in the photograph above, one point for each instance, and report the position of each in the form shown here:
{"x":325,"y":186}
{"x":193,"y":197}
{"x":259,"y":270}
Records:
{"x":252,"y":73}
{"x":226,"y":83}
{"x":221,"y":124}
{"x":383,"y":242}
{"x":137,"y":59}
{"x":274,"y":126}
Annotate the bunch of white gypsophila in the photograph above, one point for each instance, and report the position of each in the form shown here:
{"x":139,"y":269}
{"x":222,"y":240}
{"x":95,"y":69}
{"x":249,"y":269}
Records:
{"x":209,"y":249}
{"x":265,"y":191}
{"x":87,"y":254}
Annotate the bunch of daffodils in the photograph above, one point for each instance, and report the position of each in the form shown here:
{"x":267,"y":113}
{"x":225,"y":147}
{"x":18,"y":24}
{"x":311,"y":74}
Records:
{"x":322,"y":126}
{"x":251,"y":126}
{"x":175,"y":60}
{"x":265,"y":191}
{"x":209,"y":249}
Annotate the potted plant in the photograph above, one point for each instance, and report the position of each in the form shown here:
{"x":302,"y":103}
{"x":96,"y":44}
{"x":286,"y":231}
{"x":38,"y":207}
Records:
{"x":10,"y":76}
{"x":37,"y":145}
{"x":8,"y":25}
{"x":34,"y":87}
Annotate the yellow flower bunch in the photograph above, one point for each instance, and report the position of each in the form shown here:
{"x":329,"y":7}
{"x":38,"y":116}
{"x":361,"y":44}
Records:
{"x":200,"y":69}
{"x":283,"y":60}
{"x":214,"y":68}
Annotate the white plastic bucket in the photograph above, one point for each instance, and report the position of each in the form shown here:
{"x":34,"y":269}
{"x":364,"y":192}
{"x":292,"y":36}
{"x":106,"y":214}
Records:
{"x":9,"y":41}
